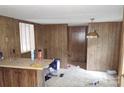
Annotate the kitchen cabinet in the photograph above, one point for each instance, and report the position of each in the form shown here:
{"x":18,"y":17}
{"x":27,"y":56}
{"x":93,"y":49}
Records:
{"x":7,"y":77}
{"x":1,"y":78}
{"x":14,"y":77}
{"x":20,"y":72}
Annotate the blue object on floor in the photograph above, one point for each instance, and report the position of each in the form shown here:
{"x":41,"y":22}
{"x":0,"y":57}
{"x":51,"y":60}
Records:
{"x":55,"y":64}
{"x":53,"y":67}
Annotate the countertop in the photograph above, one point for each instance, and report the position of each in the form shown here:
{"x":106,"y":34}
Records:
{"x":25,"y":63}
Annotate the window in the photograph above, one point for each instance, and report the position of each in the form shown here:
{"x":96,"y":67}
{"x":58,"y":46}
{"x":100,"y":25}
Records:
{"x":27,"y":40}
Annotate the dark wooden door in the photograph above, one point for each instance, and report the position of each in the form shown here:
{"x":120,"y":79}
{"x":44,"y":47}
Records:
{"x":77,"y":46}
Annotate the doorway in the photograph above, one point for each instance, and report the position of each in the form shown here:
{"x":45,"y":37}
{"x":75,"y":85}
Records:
{"x":77,"y":46}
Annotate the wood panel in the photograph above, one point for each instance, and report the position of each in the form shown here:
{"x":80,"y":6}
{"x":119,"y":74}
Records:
{"x":9,"y":36}
{"x":8,"y":77}
{"x":53,"y":40}
{"x":102,"y":53}
{"x":77,"y":45}
{"x":121,"y":61}
{"x":12,"y":77}
{"x":32,"y":78}
{"x":23,"y":77}
{"x":1,"y":78}
{"x":15,"y":79}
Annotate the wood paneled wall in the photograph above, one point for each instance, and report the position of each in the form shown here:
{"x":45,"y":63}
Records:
{"x":121,"y":60}
{"x":9,"y":36}
{"x":53,"y":40}
{"x":103,"y":52}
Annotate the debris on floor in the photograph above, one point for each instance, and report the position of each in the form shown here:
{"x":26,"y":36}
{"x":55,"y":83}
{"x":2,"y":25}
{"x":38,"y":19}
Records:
{"x":78,"y":77}
{"x":61,"y":75}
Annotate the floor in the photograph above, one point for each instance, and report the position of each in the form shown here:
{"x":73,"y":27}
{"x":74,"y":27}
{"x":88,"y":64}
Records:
{"x":78,"y":77}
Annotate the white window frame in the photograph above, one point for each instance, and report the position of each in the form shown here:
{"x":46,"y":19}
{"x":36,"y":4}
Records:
{"x":27,"y":38}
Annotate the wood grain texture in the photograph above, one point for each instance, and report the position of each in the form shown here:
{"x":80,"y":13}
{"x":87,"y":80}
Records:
{"x":9,"y":36}
{"x":77,"y":45}
{"x":13,"y":77}
{"x":52,"y":39}
{"x":102,"y":53}
{"x":8,"y":77}
{"x":121,"y":58}
{"x":1,"y":78}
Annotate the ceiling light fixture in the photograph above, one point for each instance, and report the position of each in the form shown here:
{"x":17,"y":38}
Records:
{"x":92,"y":33}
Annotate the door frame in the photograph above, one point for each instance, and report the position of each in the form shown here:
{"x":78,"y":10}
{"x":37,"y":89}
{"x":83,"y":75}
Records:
{"x":68,"y":29}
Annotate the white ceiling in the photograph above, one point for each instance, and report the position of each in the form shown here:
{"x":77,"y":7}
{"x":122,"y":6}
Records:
{"x":72,"y":15}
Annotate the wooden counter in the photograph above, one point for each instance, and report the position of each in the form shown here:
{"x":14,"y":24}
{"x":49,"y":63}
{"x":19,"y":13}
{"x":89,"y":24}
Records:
{"x":24,"y":63}
{"x":19,"y":72}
